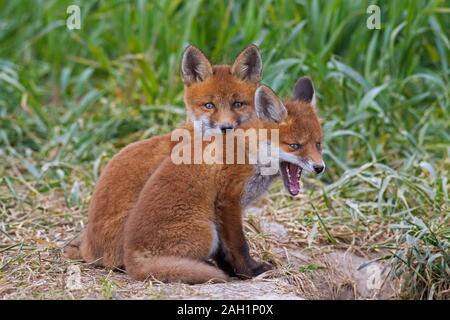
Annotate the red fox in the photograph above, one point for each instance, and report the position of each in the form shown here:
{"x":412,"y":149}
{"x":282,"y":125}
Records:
{"x":187,"y":214}
{"x":218,"y":97}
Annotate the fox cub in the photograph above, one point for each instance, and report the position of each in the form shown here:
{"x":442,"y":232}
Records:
{"x":217,"y":97}
{"x":190,"y":213}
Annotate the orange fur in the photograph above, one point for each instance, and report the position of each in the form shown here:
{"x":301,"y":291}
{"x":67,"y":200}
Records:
{"x":183,"y":209}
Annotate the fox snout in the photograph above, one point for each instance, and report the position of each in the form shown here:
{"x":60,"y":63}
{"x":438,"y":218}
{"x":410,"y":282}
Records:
{"x":314,"y":166}
{"x":226,"y":126}
{"x":318,"y":168}
{"x":219,"y":127}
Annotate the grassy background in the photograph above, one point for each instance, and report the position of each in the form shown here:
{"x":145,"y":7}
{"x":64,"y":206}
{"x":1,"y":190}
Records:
{"x":70,"y":99}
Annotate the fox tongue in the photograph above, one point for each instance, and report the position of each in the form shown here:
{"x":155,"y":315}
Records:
{"x":293,"y":178}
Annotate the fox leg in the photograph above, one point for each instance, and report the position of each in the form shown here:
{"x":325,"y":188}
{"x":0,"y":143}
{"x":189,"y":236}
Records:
{"x":222,"y":259}
{"x":234,"y":245}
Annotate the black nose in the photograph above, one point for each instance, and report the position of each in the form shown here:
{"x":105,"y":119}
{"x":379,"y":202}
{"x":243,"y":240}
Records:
{"x":318,"y":168}
{"x":224,"y":128}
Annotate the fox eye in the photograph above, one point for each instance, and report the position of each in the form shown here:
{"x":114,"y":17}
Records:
{"x":318,"y":146}
{"x":209,"y":105}
{"x":237,"y":104}
{"x":295,"y":146}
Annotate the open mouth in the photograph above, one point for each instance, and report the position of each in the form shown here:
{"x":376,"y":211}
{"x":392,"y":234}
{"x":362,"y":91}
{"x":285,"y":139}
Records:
{"x":291,"y":174}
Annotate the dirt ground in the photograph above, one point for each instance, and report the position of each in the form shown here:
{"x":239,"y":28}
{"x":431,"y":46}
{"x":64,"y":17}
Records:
{"x":32,"y":266}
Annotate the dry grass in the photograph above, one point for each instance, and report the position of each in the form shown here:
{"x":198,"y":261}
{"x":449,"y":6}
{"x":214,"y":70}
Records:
{"x":384,"y":96}
{"x":31,"y":266}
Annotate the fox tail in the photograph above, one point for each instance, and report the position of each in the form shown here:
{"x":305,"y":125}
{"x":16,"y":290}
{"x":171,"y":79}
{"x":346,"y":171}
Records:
{"x":174,"y":269}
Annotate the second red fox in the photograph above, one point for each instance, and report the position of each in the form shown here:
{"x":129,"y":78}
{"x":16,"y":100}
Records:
{"x":187,"y":214}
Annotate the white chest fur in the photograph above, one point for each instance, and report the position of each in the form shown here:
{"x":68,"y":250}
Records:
{"x":256,"y":186}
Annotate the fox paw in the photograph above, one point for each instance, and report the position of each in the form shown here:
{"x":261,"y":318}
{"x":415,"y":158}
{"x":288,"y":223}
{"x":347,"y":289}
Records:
{"x":253,"y":269}
{"x":261,"y":268}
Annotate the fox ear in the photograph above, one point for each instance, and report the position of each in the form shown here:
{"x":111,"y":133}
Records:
{"x":248,"y":64}
{"x":195,"y":67}
{"x":268,"y":106}
{"x":304,"y":91}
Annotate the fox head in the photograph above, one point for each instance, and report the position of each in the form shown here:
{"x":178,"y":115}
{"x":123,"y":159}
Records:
{"x":220,"y":97}
{"x":300,"y":132}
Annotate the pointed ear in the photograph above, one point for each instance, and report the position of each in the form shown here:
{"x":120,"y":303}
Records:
{"x":248,"y":64}
{"x":268,"y":106}
{"x":195,"y":67}
{"x":304,"y":91}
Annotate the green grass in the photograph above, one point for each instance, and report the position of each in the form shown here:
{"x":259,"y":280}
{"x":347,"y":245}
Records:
{"x":70,"y":99}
